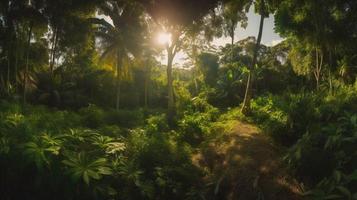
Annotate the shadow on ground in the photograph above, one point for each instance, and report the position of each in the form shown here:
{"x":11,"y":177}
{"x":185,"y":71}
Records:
{"x":245,"y":165}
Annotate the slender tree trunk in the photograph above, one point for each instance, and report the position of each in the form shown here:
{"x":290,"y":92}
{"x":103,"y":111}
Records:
{"x":317,"y":72}
{"x":54,"y":48}
{"x":146,"y":94}
{"x":118,"y":93}
{"x":118,"y":63}
{"x":170,"y":92}
{"x":15,"y":68}
{"x":146,"y":87}
{"x":27,"y":64}
{"x":8,"y":84}
{"x":232,"y":41}
{"x":195,"y":81}
{"x":8,"y":81}
{"x":248,"y":92}
{"x":329,"y":73}
{"x":195,"y":70}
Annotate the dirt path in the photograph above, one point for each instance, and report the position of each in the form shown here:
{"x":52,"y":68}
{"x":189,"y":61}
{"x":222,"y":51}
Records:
{"x":246,"y":165}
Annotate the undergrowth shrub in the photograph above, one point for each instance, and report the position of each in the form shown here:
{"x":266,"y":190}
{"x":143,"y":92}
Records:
{"x":92,"y":116}
{"x":320,"y":131}
{"x":157,"y":123}
{"x":286,"y":118}
{"x":193,"y":128}
{"x":267,"y":112}
{"x":226,"y":121}
{"x":51,"y":154}
{"x":195,"y":122}
{"x":328,"y":146}
{"x":125,"y":118}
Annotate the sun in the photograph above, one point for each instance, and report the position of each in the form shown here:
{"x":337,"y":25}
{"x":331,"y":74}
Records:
{"x":164,"y":38}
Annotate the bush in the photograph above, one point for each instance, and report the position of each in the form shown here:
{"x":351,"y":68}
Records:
{"x":309,"y":160}
{"x":125,"y":118}
{"x":165,"y":164}
{"x":112,"y":130}
{"x":193,"y":128}
{"x":268,"y":113}
{"x":92,"y":116}
{"x":328,"y":145}
{"x":286,"y":118}
{"x":157,"y":123}
{"x":320,"y":131}
{"x":61,"y":158}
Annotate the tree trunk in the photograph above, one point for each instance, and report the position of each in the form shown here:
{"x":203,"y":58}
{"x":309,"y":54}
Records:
{"x":248,"y":92}
{"x":195,"y":82}
{"x":170,"y":92}
{"x":146,"y":87}
{"x":330,"y":74}
{"x":8,"y":84}
{"x":27,"y":64}
{"x":16,"y":63}
{"x":317,"y":72}
{"x":232,"y":42}
{"x":118,"y":63}
{"x":54,"y":48}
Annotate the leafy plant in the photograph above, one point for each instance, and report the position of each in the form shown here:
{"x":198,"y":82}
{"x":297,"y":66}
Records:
{"x":335,"y":187}
{"x":81,"y":166}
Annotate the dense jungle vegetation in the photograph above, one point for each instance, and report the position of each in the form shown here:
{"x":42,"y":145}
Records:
{"x":88,"y":111}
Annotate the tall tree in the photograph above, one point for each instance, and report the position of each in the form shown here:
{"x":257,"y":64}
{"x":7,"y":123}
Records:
{"x":119,"y":39}
{"x":234,"y":13}
{"x":67,"y":23}
{"x":181,"y":19}
{"x":34,"y":19}
{"x":10,"y":20}
{"x":263,"y":7}
{"x":325,"y":28}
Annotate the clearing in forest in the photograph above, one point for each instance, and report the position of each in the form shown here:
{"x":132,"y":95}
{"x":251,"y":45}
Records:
{"x":245,"y":164}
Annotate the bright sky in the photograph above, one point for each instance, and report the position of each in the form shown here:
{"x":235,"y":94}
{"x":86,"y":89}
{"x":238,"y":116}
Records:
{"x":269,"y":37}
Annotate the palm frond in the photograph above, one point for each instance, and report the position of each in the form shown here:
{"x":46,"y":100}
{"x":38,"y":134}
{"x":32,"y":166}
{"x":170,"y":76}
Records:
{"x":101,"y":22}
{"x":109,"y":52}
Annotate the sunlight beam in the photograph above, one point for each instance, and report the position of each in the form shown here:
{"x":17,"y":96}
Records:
{"x":164,"y":38}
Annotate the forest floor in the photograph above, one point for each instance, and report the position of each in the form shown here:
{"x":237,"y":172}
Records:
{"x":245,"y":164}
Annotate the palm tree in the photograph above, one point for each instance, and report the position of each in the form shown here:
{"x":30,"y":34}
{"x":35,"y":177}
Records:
{"x":119,"y":39}
{"x":234,"y":13}
{"x":33,"y":17}
{"x":248,"y":92}
{"x":263,"y":7}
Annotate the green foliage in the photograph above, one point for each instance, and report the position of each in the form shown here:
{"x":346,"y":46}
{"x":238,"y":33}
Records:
{"x":208,"y":65}
{"x":193,"y":128}
{"x":320,"y":130}
{"x":125,"y":118}
{"x":108,"y":162}
{"x":195,"y":122}
{"x":271,"y":115}
{"x":81,"y":167}
{"x":93,"y":117}
{"x":335,"y":187}
{"x":230,"y":87}
{"x":156,"y":123}
{"x":79,"y":147}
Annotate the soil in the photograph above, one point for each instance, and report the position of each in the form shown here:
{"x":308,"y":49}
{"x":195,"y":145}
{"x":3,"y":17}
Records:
{"x":246,"y":165}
